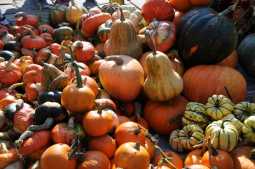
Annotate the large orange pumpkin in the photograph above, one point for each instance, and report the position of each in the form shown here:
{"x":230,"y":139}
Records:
{"x":122,"y":77}
{"x":244,"y":157}
{"x":95,"y":160}
{"x":201,"y":82}
{"x":56,"y":157}
{"x":164,"y":117}
{"x":185,"y":5}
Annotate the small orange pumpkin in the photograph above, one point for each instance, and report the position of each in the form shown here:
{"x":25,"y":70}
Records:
{"x":10,"y":73}
{"x":22,"y":19}
{"x":95,"y":160}
{"x":83,"y":51}
{"x":62,"y":133}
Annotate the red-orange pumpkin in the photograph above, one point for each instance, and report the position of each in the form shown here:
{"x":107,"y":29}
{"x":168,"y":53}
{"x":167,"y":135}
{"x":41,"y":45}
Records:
{"x":95,"y":160}
{"x":165,"y":117}
{"x":201,"y":82}
{"x":36,"y":142}
{"x":9,"y":73}
{"x":61,"y":133}
{"x":33,"y":42}
{"x":157,"y":9}
{"x":22,"y":19}
{"x":185,"y":5}
{"x":83,"y":51}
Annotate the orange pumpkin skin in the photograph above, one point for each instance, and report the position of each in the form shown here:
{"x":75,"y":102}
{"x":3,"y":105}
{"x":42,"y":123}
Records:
{"x":95,"y":160}
{"x":37,"y":141}
{"x":23,"y":62}
{"x":175,"y":159}
{"x":37,"y":155}
{"x":55,"y":48}
{"x":130,"y":156}
{"x":105,"y":144}
{"x":83,"y":51}
{"x":194,"y":157}
{"x":222,"y":160}
{"x":84,"y":98}
{"x":33,"y":42}
{"x":27,"y":20}
{"x":123,"y":119}
{"x":61,"y":133}
{"x":46,"y":28}
{"x":56,"y":156}
{"x":84,"y":71}
{"x":115,"y":76}
{"x":6,"y":101}
{"x":165,"y":117}
{"x":130,"y":132}
{"x":177,"y":17}
{"x":23,"y":118}
{"x":47,"y":38}
{"x":150,"y":147}
{"x":9,"y":75}
{"x":158,"y":9}
{"x":7,"y":158}
{"x":198,"y":88}
{"x":91,"y":23}
{"x":196,"y":166}
{"x":185,"y":5}
{"x":94,"y":67}
{"x":99,"y":122}
{"x":243,"y":158}
{"x":231,"y":60}
{"x":31,"y":92}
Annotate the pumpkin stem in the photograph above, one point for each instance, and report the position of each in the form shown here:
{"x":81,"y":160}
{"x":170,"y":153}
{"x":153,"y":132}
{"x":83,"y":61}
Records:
{"x":137,"y":146}
{"x":228,"y":93}
{"x":229,"y":9}
{"x":122,"y":17}
{"x":117,"y":60}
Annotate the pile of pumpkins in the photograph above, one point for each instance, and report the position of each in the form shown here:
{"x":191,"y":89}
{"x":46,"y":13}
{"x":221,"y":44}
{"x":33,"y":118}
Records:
{"x":90,"y":89}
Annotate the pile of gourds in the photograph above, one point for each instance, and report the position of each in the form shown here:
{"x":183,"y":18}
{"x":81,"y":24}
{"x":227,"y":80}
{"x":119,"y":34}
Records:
{"x":88,"y":89}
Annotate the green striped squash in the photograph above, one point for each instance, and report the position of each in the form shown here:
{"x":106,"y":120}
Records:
{"x":195,"y":114}
{"x":243,"y":110}
{"x":222,"y":134}
{"x":249,"y":129}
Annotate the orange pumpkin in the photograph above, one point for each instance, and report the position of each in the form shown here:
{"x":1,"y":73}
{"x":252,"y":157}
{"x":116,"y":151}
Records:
{"x":33,"y":41}
{"x":99,"y":122}
{"x":83,"y":68}
{"x":131,"y":155}
{"x":218,"y":78}
{"x":121,"y":74}
{"x":130,"y":132}
{"x":83,"y":51}
{"x":165,"y":117}
{"x":23,"y":62}
{"x":55,"y":48}
{"x":91,"y":23}
{"x":94,"y":66}
{"x":47,"y":38}
{"x":31,"y":91}
{"x":196,"y":166}
{"x":150,"y":147}
{"x":105,"y":144}
{"x":157,"y":9}
{"x":62,"y":133}
{"x":231,"y":60}
{"x":37,"y":141}
{"x":243,"y":157}
{"x":175,"y":160}
{"x":56,"y":156}
{"x":95,"y":160}
{"x":185,"y":5}
{"x":9,"y":73}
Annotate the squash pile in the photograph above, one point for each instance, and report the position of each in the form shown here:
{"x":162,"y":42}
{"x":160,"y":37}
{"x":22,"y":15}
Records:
{"x":93,"y":88}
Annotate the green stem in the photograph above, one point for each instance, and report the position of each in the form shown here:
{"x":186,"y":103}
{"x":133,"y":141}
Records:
{"x":78,"y":75}
{"x":122,"y":17}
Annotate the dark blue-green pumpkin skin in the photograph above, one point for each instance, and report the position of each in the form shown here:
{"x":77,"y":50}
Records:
{"x":246,"y":53}
{"x":205,"y":37}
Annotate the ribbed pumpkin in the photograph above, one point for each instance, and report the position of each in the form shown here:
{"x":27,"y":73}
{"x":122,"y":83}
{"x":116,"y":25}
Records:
{"x":201,"y":82}
{"x":205,"y":37}
{"x":223,"y":135}
{"x":243,"y":110}
{"x":195,"y":113}
{"x":186,"y":138}
{"x":218,"y":106}
{"x":122,"y":77}
{"x":163,"y":82}
{"x":163,"y":117}
{"x":123,"y":39}
{"x":245,"y":52}
{"x":248,"y":129}
{"x":74,"y":13}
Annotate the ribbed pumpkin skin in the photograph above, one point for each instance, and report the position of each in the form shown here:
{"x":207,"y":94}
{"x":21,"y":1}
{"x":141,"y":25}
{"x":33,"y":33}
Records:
{"x":201,"y":82}
{"x":246,"y":54}
{"x":202,"y":34}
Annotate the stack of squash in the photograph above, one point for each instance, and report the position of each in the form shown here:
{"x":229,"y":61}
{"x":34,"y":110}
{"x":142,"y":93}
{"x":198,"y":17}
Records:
{"x":86,"y":90}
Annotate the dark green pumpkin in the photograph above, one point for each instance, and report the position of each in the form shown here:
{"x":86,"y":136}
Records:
{"x":57,"y":14}
{"x":205,"y":37}
{"x":13,"y":46}
{"x":63,"y":33}
{"x":246,"y":53}
{"x":6,"y":54}
{"x":52,"y":96}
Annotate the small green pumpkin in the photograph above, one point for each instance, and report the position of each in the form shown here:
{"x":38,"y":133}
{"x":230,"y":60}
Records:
{"x":249,"y":129}
{"x":57,"y":14}
{"x":237,"y":123}
{"x":222,"y":134}
{"x":186,"y":138}
{"x":195,"y":114}
{"x":243,"y":110}
{"x":218,"y":106}
{"x":63,"y":33}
